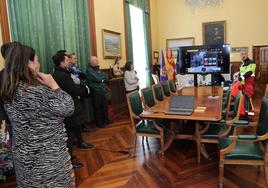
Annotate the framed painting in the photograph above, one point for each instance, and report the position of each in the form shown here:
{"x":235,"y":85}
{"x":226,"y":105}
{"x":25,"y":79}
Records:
{"x":214,"y":32}
{"x":111,"y":44}
{"x":173,"y":44}
{"x":238,"y":49}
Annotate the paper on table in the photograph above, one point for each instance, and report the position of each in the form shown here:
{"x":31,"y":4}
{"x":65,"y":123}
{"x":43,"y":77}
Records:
{"x":200,"y":109}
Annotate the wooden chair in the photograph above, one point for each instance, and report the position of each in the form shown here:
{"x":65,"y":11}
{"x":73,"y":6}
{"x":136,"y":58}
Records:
{"x":215,"y":130}
{"x":247,"y":149}
{"x":166,"y":88}
{"x":148,"y":97}
{"x":142,"y":127}
{"x":226,"y":102}
{"x":158,"y":92}
{"x":172,"y":86}
{"x":155,"y":78}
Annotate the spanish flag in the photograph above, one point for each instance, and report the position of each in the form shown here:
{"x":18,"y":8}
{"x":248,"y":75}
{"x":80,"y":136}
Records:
{"x":170,"y":64}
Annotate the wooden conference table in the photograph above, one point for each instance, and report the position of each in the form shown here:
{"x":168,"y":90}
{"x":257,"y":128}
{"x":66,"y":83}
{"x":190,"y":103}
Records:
{"x":202,"y":99}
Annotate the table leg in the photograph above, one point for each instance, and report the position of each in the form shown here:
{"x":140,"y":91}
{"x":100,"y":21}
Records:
{"x":197,"y":139}
{"x":204,"y":151}
{"x":200,"y":147}
{"x":170,"y":138}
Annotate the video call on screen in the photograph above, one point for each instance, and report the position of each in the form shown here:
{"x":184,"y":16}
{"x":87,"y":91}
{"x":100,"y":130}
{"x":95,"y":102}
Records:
{"x":204,"y":59}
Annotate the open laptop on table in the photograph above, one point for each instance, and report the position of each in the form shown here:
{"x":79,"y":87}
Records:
{"x":181,"y":105}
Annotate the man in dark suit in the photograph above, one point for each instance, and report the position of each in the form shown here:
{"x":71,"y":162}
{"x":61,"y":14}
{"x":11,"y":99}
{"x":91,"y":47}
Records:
{"x":63,"y":78}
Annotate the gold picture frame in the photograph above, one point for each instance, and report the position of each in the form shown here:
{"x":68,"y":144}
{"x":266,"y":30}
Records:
{"x":111,"y":44}
{"x":174,"y":43}
{"x":238,"y":49}
{"x":214,"y":32}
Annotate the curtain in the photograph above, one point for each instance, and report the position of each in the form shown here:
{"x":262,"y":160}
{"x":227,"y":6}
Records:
{"x":144,"y":5}
{"x":128,"y":33}
{"x":51,"y":25}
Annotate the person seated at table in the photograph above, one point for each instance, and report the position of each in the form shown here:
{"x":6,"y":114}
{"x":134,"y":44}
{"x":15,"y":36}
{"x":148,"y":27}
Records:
{"x":116,"y":69}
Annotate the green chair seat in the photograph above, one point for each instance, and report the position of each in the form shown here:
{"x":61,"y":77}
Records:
{"x":145,"y":126}
{"x":246,"y":151}
{"x":214,"y":130}
{"x":243,"y":150}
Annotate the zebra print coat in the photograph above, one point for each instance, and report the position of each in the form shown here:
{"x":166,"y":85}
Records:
{"x":40,"y":154}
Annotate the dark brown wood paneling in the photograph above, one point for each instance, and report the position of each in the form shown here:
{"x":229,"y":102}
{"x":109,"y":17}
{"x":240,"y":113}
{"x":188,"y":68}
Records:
{"x":4,"y":21}
{"x":260,"y":57}
{"x":235,"y":67}
{"x":118,"y":102}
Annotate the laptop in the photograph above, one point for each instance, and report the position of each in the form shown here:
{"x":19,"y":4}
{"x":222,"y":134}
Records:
{"x":181,"y":105}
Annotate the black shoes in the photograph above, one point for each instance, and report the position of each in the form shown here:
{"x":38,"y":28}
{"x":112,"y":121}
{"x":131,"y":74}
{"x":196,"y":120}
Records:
{"x":108,"y":122}
{"x":102,"y":124}
{"x":77,"y":165}
{"x":84,"y":145}
{"x":85,"y":130}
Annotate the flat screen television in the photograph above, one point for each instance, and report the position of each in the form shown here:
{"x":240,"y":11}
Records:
{"x":206,"y":59}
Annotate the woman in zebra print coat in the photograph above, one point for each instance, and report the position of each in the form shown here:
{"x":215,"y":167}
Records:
{"x":36,"y":107}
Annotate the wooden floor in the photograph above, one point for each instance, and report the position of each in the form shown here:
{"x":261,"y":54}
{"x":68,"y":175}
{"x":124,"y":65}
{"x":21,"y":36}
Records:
{"x":178,"y":168}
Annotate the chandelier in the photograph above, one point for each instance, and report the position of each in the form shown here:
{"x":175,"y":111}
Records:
{"x":203,"y":3}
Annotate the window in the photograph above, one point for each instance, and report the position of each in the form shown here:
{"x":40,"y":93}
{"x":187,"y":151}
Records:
{"x":138,"y":44}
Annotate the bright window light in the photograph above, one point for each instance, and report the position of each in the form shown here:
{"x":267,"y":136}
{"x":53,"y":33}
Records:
{"x":138,"y":43}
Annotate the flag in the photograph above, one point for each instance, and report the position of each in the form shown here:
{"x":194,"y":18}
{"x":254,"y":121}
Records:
{"x":163,"y":71}
{"x":169,"y":66}
{"x":173,"y":64}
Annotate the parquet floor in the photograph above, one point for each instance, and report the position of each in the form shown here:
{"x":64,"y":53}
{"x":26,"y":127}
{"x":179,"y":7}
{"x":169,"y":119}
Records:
{"x":178,"y":168}
{"x":109,"y":165}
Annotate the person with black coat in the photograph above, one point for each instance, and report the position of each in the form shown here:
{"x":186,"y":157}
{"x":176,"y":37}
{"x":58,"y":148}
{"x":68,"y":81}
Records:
{"x":63,"y":78}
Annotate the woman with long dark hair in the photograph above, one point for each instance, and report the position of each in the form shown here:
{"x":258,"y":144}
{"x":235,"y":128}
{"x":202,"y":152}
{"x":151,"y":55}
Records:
{"x":36,"y":107}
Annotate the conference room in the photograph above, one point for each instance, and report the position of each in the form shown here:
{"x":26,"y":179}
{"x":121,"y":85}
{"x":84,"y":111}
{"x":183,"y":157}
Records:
{"x":133,"y":93}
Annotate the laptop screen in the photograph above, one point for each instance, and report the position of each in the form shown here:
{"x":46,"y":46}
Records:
{"x":181,"y":103}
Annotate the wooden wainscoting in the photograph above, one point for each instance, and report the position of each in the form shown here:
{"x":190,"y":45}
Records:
{"x":260,"y":57}
{"x":235,"y":67}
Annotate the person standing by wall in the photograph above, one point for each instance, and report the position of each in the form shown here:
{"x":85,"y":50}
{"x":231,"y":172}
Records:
{"x":130,"y":78}
{"x":36,"y":108}
{"x":97,"y":83}
{"x":79,"y":77}
{"x":63,"y":78}
{"x":247,"y":73}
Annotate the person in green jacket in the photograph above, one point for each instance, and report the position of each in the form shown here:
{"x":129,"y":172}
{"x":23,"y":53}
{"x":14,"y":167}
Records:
{"x":97,"y":82}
